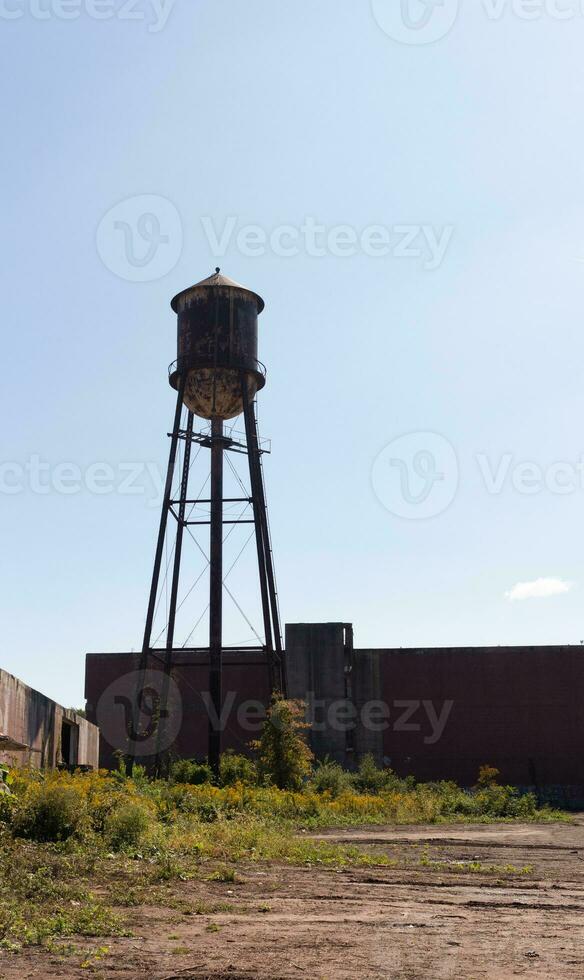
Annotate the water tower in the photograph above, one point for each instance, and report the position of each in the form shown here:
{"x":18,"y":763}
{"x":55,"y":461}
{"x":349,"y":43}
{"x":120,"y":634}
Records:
{"x":217,"y":375}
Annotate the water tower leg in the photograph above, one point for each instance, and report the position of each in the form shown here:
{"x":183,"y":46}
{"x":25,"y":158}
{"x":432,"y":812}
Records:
{"x":163,"y":521}
{"x":161,"y":766}
{"x":249,"y":435}
{"x":216,"y":593}
{"x":267,"y":576}
{"x":157,"y":562}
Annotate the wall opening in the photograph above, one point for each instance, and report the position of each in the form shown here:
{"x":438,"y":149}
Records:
{"x":69,"y":742}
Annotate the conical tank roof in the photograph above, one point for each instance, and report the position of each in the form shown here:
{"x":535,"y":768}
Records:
{"x":218,"y":279}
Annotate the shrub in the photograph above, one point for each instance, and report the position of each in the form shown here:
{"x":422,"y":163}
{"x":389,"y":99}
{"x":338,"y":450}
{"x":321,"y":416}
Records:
{"x":488,"y":776}
{"x":8,"y":805}
{"x":140,"y":778}
{"x":49,"y":812}
{"x":191,"y":772}
{"x":330,"y":777}
{"x":237,"y":769}
{"x":284,"y":758}
{"x":5,"y":777}
{"x":522,"y":807}
{"x":370,"y":779}
{"x":96,"y":810}
{"x":127,"y":824}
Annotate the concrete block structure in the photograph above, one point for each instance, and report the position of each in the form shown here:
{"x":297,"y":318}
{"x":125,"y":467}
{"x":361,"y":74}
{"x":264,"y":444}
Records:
{"x":35,"y":731}
{"x":431,"y":713}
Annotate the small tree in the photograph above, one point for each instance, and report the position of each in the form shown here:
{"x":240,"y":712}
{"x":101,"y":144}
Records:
{"x":284,"y":757}
{"x":488,"y":777}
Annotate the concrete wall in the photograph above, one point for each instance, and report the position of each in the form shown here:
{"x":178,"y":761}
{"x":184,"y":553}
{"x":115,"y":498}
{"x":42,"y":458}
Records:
{"x":318,"y":663}
{"x":35,"y":722}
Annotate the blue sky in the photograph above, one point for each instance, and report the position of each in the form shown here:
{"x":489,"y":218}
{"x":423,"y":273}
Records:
{"x":452,"y":379}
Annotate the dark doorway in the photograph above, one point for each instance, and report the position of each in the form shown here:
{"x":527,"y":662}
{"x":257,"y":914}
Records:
{"x":69,"y":739}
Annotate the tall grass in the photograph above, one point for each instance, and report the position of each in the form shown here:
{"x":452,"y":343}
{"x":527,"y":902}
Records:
{"x":122,"y":812}
{"x":134,"y":836}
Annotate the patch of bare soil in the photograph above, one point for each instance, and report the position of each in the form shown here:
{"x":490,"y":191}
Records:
{"x":428,"y":918}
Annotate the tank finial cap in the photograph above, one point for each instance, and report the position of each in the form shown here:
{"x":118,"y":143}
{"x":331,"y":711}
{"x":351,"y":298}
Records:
{"x":218,"y":281}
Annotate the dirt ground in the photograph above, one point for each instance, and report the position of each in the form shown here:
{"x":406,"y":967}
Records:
{"x":426,"y":918}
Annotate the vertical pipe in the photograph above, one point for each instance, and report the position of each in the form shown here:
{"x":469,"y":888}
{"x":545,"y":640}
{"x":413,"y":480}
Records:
{"x":216,"y":592}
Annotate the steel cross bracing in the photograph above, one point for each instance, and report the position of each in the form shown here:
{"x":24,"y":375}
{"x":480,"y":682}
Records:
{"x":219,"y":444}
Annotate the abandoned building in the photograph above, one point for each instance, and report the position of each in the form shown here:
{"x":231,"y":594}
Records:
{"x":35,"y":731}
{"x":432,"y":713}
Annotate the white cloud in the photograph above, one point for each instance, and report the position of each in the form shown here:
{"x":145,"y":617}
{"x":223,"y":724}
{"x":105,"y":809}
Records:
{"x":542,"y":588}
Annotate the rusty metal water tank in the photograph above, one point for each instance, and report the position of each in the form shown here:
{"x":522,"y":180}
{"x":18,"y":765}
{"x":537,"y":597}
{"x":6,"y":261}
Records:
{"x":217,"y":344}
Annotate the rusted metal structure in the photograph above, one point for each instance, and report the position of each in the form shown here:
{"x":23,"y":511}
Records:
{"x":217,"y":375}
{"x":35,"y":731}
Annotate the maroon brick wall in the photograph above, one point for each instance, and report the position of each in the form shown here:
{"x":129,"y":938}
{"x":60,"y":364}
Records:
{"x":111,"y":679}
{"x":517,"y":708}
{"x":444,"y":712}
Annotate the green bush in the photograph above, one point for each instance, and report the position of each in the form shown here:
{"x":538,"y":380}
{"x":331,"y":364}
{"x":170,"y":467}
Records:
{"x":522,"y":807}
{"x":5,"y":777}
{"x":330,"y":777}
{"x":504,"y":801}
{"x":127,"y":824}
{"x":370,"y":779}
{"x":207,"y":811}
{"x":49,"y":813}
{"x":237,"y":769}
{"x":8,"y":804}
{"x":140,"y":778}
{"x":284,"y":758}
{"x":191,"y":772}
